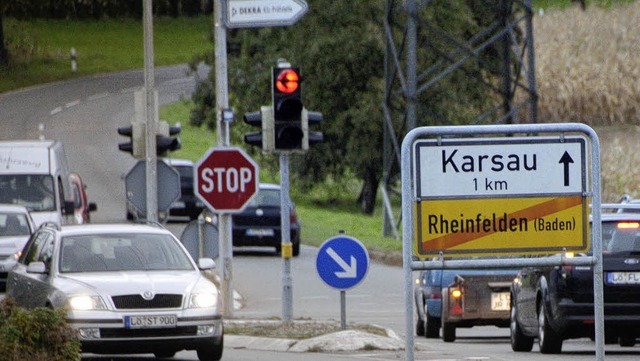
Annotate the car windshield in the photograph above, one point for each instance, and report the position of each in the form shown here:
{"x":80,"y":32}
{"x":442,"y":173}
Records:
{"x":13,"y":224}
{"x":266,"y":197}
{"x":34,"y":191}
{"x":621,"y":237}
{"x":122,"y":252}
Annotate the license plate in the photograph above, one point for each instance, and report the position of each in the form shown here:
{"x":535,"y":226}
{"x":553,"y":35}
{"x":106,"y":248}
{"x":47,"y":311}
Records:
{"x":260,"y":232}
{"x":150,"y":321}
{"x":500,"y":301}
{"x":178,"y":204}
{"x":623,"y":278}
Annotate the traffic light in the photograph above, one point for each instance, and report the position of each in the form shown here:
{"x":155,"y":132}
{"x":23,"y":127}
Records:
{"x":287,"y":107}
{"x":310,"y":137}
{"x":164,"y":139}
{"x":263,"y":119}
{"x":135,"y":146}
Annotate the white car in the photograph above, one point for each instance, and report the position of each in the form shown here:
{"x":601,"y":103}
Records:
{"x":16,"y":226}
{"x":128,"y":288}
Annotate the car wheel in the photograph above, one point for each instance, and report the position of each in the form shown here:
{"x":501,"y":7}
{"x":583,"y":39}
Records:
{"x":296,"y":249}
{"x":420,"y":327}
{"x":519,"y":341}
{"x":164,"y":354}
{"x":211,"y":351}
{"x":548,"y":339}
{"x":448,"y":332}
{"x":431,"y":325}
{"x":627,"y":341}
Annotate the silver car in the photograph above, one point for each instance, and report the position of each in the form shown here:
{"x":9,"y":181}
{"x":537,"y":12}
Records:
{"x":16,"y":226}
{"x":128,"y":288}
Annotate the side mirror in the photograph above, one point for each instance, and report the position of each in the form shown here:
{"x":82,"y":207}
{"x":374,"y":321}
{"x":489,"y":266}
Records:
{"x":37,"y":267}
{"x":206,"y":264}
{"x":69,"y":207}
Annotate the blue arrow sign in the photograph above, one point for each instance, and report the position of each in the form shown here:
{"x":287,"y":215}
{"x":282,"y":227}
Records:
{"x":342,"y":262}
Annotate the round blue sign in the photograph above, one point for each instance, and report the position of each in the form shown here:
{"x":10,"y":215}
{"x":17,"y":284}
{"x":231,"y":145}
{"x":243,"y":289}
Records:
{"x":342,"y":262}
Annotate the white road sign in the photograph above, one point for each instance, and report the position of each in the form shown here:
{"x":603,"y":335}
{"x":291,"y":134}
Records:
{"x":481,"y":167}
{"x":264,"y":13}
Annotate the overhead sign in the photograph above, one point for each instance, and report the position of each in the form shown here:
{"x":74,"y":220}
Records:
{"x":342,"y":262}
{"x":226,"y":179}
{"x":490,"y":196}
{"x":264,"y":13}
{"x":500,"y":166}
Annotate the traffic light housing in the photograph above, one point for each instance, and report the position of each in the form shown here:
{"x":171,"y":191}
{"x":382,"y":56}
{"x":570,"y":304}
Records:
{"x":167,"y":139}
{"x":135,"y":145}
{"x":263,"y":119}
{"x":287,"y":108}
{"x":310,"y":137}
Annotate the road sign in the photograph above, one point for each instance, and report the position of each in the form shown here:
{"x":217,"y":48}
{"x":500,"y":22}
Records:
{"x":226,"y":179}
{"x":263,"y":13}
{"x":168,"y":186}
{"x":191,"y":235}
{"x":342,"y":262}
{"x":500,"y":166}
{"x":491,"y":196}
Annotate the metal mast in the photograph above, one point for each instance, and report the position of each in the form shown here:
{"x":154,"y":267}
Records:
{"x":421,"y":55}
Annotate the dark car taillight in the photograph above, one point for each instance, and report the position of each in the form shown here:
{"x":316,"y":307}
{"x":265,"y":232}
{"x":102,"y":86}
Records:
{"x":293,"y":217}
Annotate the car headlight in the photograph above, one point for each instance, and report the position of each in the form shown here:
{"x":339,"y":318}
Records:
{"x":86,"y":303}
{"x":202,"y":300}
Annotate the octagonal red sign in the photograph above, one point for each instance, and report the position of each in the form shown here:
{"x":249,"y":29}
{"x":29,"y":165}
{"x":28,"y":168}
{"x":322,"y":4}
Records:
{"x":226,"y":179}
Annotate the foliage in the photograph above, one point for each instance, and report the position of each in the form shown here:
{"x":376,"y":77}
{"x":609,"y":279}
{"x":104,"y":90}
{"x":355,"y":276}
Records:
{"x":38,"y":334}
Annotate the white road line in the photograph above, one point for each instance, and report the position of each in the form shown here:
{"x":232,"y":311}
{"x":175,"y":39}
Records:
{"x":98,"y":96}
{"x":72,"y":104}
{"x":56,"y":111}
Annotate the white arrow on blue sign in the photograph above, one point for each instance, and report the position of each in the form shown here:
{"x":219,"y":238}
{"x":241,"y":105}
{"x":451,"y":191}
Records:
{"x":342,"y":262}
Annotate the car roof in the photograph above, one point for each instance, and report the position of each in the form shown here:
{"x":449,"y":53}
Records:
{"x":13,"y":208}
{"x":179,"y":162}
{"x":269,"y":186}
{"x":114,"y":228}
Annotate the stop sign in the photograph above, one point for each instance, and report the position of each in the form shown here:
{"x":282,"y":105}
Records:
{"x":225,"y":179}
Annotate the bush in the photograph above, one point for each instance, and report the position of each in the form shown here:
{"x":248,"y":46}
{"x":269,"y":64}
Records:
{"x":35,"y":335}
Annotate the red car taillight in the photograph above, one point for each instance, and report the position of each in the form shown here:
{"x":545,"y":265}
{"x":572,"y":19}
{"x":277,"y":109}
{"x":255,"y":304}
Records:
{"x":293,"y":217}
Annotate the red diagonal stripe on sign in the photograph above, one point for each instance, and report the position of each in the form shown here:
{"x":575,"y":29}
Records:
{"x":539,"y":210}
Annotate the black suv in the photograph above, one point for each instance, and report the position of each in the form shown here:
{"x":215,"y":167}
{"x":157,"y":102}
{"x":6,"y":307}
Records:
{"x":188,"y":205}
{"x":555,"y":303}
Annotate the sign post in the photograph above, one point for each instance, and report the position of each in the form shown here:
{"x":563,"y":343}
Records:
{"x":226,"y":178}
{"x":342,"y":263}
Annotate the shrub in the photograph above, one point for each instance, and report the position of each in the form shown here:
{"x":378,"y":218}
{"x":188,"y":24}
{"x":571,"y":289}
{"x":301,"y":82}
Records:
{"x":35,"y":335}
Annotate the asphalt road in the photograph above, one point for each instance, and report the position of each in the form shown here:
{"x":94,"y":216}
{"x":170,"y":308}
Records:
{"x":85,"y":113}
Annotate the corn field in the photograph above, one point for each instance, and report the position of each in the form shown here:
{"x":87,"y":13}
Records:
{"x":588,"y":71}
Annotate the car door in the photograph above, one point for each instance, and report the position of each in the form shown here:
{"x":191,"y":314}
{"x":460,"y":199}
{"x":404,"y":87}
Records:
{"x":30,"y":289}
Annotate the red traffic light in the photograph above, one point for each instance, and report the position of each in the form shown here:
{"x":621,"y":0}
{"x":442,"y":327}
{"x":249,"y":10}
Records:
{"x":287,"y":81}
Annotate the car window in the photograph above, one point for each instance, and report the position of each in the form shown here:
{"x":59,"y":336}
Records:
{"x":34,"y":191}
{"x":34,"y":247}
{"x":122,"y":252}
{"x":14,"y":224}
{"x":621,"y":237}
{"x":266,"y":197}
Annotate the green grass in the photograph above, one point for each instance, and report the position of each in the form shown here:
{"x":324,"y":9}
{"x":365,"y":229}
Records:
{"x":40,"y":49}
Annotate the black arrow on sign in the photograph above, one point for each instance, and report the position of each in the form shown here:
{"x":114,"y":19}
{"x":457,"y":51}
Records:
{"x":566,"y":159}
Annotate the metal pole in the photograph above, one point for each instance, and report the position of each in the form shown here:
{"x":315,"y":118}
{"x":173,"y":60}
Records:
{"x":343,"y":310}
{"x":150,"y":116}
{"x":286,"y":247}
{"x":222,"y":130}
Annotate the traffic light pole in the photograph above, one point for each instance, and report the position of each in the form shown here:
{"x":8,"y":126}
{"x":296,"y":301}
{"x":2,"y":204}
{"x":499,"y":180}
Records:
{"x":222,"y":131}
{"x":286,"y":246}
{"x":150,"y":118}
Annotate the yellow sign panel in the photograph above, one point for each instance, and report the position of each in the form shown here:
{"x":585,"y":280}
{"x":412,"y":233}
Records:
{"x":501,"y":226}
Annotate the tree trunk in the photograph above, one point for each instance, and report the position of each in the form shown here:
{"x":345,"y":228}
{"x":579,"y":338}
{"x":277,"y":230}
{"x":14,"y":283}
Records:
{"x":4,"y":58}
{"x":367,"y":198}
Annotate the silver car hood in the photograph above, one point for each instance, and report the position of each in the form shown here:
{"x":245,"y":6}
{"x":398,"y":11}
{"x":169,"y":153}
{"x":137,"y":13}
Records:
{"x":132,"y":282}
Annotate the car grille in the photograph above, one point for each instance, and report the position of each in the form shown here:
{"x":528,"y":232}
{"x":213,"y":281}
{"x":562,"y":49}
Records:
{"x":148,"y":332}
{"x":137,"y":302}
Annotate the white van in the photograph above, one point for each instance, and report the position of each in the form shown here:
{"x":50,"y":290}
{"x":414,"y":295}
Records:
{"x":35,"y":174}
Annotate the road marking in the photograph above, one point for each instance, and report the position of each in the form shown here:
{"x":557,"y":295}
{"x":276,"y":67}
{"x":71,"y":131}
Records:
{"x":98,"y":96}
{"x":72,"y":104}
{"x":56,"y":111}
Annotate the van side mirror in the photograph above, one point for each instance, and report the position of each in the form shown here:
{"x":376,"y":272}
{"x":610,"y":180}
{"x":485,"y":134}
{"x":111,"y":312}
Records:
{"x":69,"y":207}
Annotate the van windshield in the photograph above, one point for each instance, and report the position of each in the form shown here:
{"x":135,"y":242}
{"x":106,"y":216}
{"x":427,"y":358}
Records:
{"x":34,"y":191}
